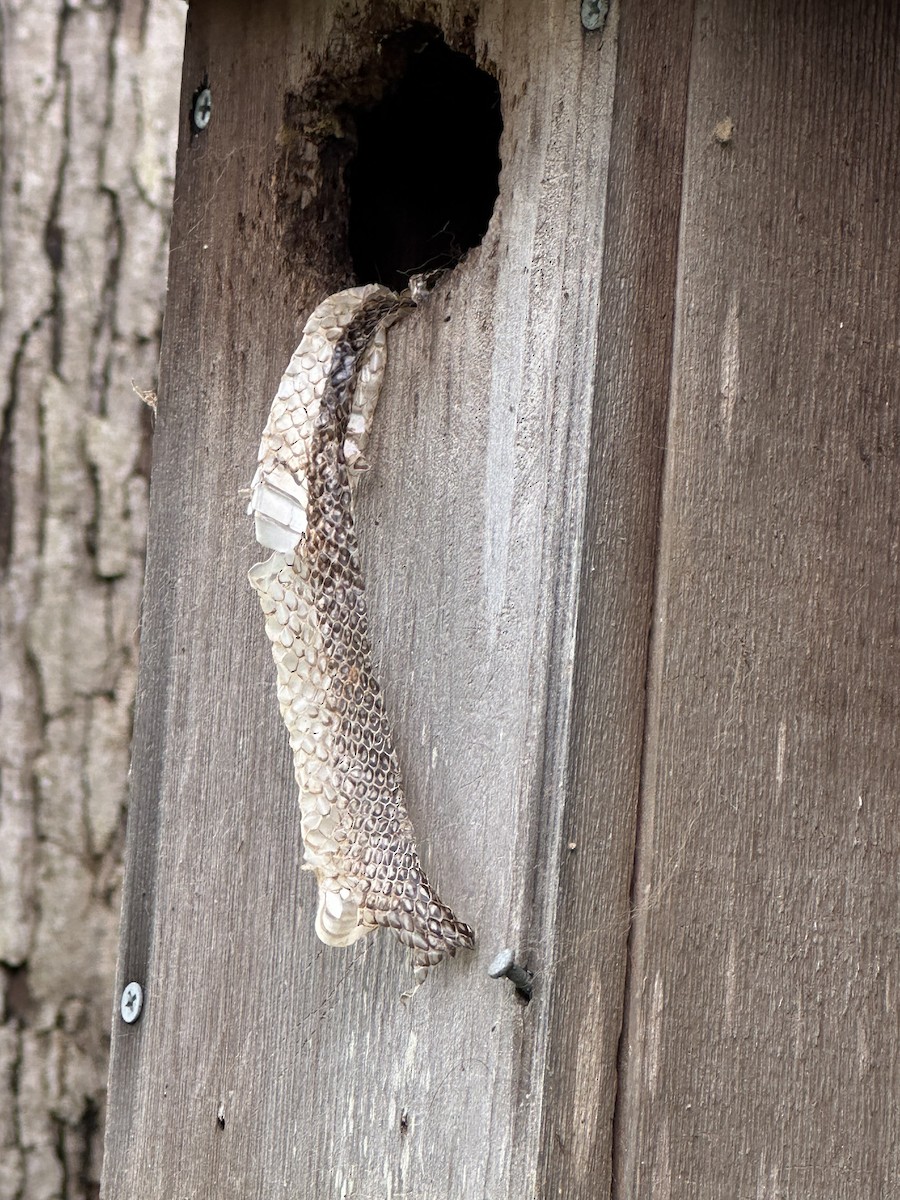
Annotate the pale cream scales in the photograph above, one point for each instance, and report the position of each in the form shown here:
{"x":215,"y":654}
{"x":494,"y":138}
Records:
{"x":357,"y":835}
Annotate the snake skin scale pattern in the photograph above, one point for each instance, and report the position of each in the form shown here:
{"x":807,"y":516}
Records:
{"x":357,"y":835}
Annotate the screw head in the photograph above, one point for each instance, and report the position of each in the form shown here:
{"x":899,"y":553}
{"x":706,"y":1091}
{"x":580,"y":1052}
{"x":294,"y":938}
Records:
{"x":594,"y":13}
{"x":132,"y":1003}
{"x":202,"y":110}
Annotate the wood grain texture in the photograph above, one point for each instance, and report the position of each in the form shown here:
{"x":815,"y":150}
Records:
{"x":760,"y":1050}
{"x":660,"y":393}
{"x":328,"y":1085}
{"x":588,"y":942}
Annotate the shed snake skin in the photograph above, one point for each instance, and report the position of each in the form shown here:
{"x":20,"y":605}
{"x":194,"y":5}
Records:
{"x":357,"y":836}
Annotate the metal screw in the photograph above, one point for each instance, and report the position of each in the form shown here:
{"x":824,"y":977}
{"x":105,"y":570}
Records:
{"x":132,"y":1003}
{"x":202,"y":110}
{"x":594,"y":13}
{"x":504,"y":966}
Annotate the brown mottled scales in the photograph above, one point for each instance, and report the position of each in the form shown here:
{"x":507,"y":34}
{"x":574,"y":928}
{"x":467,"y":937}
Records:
{"x":358,"y":838}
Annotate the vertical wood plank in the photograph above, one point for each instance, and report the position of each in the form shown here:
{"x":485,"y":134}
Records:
{"x":760,"y":1049}
{"x":608,"y":706}
{"x":264,"y":1062}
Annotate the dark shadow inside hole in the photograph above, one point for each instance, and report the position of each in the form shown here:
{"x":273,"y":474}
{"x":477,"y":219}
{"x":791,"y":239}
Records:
{"x":424,"y":179}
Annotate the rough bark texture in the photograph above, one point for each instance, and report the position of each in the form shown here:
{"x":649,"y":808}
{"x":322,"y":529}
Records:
{"x":89,"y":104}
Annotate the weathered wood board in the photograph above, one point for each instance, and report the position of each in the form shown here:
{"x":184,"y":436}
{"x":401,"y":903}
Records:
{"x":632,"y":556}
{"x":760,"y":1052}
{"x":606,"y":720}
{"x":471,"y":523}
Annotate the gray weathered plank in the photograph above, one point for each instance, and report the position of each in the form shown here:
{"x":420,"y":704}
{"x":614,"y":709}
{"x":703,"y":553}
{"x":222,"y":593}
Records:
{"x":471,"y":530}
{"x":760,"y":1051}
{"x":589,"y":940}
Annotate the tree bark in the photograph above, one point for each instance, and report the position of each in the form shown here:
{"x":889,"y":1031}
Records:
{"x":88,"y":96}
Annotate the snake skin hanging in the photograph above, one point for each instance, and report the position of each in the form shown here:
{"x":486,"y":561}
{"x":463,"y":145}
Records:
{"x":358,"y":838}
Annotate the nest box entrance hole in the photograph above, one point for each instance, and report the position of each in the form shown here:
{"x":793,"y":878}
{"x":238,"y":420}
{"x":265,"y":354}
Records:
{"x":424,"y":177}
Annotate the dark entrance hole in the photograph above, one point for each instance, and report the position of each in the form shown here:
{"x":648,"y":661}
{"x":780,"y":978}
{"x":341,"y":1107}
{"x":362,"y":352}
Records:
{"x":424,"y":178}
